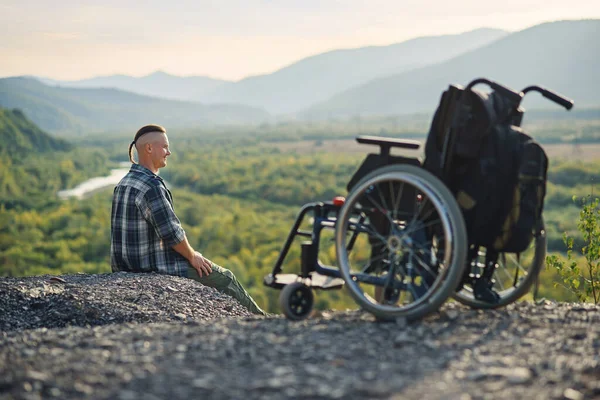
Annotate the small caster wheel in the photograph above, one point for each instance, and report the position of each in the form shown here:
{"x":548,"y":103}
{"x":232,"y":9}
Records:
{"x":296,"y":301}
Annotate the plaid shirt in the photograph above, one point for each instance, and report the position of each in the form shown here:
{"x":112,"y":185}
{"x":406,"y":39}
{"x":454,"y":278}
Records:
{"x":144,"y":226}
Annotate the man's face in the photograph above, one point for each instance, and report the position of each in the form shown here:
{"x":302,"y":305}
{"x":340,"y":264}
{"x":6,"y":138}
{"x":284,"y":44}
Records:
{"x":160,"y":151}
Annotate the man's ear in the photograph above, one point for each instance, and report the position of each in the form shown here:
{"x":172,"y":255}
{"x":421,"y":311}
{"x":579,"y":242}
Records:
{"x":148,"y":147}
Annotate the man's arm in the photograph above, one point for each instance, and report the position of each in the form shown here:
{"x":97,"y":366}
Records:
{"x":184,"y":248}
{"x":196,"y":260}
{"x":168,"y":227}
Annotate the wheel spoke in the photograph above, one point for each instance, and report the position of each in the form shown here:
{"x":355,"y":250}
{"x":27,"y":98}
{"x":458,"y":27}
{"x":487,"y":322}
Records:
{"x":504,"y":269}
{"x":382,"y":198}
{"x":425,"y":266}
{"x":517,"y":263}
{"x":365,"y":269}
{"x":396,"y":200}
{"x":499,"y":281}
{"x":381,"y":209}
{"x":417,"y":226}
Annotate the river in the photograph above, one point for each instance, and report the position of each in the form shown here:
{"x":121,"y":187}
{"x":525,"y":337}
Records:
{"x":98,"y":183}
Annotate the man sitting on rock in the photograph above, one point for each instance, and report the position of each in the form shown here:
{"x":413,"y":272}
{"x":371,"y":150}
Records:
{"x":146,"y":235}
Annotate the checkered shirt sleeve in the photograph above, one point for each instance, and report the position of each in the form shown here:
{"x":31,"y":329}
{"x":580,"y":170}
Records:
{"x":158,"y":211}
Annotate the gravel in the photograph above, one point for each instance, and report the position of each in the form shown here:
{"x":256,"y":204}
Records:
{"x":133,"y":336}
{"x":82,"y":300}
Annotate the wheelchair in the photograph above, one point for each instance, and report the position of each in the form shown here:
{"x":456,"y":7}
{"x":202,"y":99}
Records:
{"x":401,"y":243}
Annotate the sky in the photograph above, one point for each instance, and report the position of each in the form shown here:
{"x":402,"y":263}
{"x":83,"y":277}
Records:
{"x":233,"y":39}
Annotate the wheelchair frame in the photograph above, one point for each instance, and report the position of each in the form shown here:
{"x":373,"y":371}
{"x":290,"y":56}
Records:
{"x":322,"y":210}
{"x":296,"y":298}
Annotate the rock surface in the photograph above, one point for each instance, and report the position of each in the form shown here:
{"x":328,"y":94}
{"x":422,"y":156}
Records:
{"x":133,"y":336}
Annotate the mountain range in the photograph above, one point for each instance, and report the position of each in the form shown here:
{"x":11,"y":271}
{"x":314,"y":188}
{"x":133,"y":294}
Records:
{"x":562,"y":56}
{"x":72,"y":111}
{"x":303,"y":83}
{"x":158,"y":84}
{"x":317,"y":78}
{"x":402,"y":78}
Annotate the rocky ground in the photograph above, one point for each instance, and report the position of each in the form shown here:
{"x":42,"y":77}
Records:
{"x":131,"y":336}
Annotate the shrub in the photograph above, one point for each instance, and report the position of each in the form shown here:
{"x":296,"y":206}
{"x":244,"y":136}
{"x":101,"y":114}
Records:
{"x":582,"y":280}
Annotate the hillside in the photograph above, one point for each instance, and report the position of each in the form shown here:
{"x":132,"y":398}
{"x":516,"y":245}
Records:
{"x":135,"y":336}
{"x":562,"y":56}
{"x":319,"y":77}
{"x":158,"y":84}
{"x":69,"y":111}
{"x":33,"y":167}
{"x":20,"y":136}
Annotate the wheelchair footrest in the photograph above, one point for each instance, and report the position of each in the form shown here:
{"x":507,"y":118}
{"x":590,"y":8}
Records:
{"x":315,"y":281}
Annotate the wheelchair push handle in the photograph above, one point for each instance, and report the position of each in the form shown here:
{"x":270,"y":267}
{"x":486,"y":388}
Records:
{"x":515,"y":97}
{"x":555,"y":97}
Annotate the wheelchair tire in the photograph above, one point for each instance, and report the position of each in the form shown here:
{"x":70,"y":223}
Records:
{"x":416,"y":235}
{"x":296,"y":301}
{"x":513,"y":277}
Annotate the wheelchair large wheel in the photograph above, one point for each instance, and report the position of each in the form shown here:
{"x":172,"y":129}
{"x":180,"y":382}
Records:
{"x":400,"y":242}
{"x":513,"y":276}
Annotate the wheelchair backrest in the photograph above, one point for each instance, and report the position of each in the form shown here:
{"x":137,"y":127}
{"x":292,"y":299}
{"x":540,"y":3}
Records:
{"x":496,"y":171}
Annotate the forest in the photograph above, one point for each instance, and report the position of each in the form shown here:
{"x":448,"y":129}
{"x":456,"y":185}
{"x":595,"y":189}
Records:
{"x":236,"y":191}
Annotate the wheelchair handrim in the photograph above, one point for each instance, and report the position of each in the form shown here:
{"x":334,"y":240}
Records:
{"x":440,"y":206}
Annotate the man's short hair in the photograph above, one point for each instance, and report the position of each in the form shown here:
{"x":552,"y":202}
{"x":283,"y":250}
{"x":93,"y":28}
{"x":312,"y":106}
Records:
{"x":143,"y":130}
{"x":149,"y":128}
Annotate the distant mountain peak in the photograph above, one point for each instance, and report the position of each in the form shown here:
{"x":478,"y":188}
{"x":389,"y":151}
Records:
{"x":485,"y":29}
{"x":161,"y":74}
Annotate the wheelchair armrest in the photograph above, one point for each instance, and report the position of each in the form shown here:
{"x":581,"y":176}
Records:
{"x":386,"y":143}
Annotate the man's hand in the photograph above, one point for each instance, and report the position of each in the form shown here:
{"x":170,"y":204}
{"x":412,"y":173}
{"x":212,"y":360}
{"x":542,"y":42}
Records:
{"x":201,"y":264}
